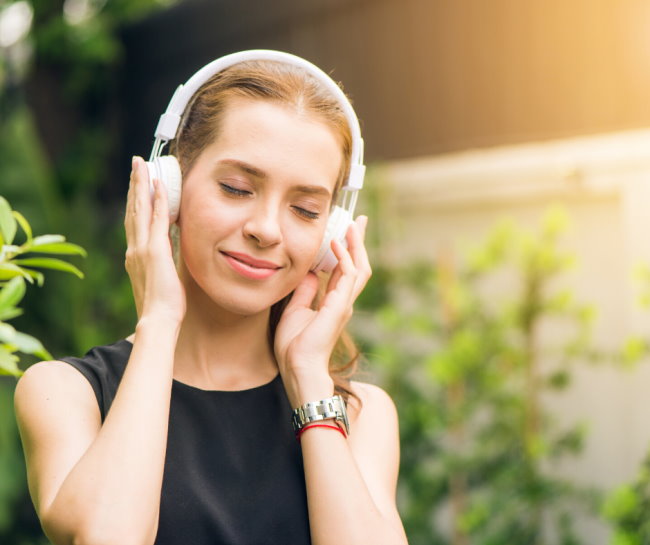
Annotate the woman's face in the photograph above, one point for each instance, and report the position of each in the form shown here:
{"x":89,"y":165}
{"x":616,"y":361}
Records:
{"x":255,"y":204}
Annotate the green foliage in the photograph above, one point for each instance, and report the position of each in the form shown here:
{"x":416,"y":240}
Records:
{"x":10,"y":458}
{"x":463,"y":351}
{"x":13,"y":275}
{"x":642,"y":274}
{"x":58,"y":133}
{"x":628,"y":507}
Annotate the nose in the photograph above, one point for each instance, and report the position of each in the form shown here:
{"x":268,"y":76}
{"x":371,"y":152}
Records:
{"x":263,"y":225}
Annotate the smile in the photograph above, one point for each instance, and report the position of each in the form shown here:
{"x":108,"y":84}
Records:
{"x":250,"y":267}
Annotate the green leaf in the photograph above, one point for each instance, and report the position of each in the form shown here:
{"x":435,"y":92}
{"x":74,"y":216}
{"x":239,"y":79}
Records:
{"x":7,"y":222}
{"x":13,"y":270}
{"x":15,"y":340}
{"x":621,"y":503}
{"x":555,"y":221}
{"x":623,"y":537}
{"x":8,"y":363}
{"x":644,"y":300}
{"x":634,"y":349}
{"x":441,"y":368}
{"x":536,"y":447}
{"x":559,"y":380}
{"x":30,"y":345}
{"x":24,"y":224}
{"x":7,"y":333}
{"x":474,"y":517}
{"x":36,"y":275}
{"x":9,"y":270}
{"x":11,"y":249}
{"x":12,"y":292}
{"x":59,"y":248}
{"x":9,"y":313}
{"x":49,"y":263}
{"x":47,"y":239}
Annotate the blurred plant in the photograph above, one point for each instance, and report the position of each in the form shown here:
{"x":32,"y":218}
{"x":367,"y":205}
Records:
{"x":59,"y":139}
{"x":60,"y":114}
{"x":468,"y":354}
{"x":18,"y":266}
{"x":628,"y":506}
{"x":627,"y":509}
{"x":14,"y":271}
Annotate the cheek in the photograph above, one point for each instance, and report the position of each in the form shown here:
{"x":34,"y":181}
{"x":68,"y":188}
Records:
{"x":206,"y":216}
{"x":304,"y":242}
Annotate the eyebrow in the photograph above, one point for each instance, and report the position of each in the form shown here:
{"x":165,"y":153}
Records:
{"x":246,"y":167}
{"x":258,"y":173}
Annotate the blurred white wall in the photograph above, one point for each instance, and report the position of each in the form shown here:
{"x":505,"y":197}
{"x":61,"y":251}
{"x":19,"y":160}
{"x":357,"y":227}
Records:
{"x":452,"y":201}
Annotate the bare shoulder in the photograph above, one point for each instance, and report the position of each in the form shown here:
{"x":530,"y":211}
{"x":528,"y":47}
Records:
{"x":47,"y":369}
{"x":373,"y":420}
{"x":58,"y":417}
{"x":48,"y":389}
{"x":375,"y":403}
{"x":52,"y":379}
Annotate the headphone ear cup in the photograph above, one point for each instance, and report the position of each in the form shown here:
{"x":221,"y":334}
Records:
{"x":168,"y":171}
{"x":338,"y":224}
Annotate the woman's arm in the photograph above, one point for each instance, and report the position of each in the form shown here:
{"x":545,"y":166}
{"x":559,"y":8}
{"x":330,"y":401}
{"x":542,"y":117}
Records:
{"x":94,"y":484}
{"x":351,"y":483}
{"x":100,"y":484}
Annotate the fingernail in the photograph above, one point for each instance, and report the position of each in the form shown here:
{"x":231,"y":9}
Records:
{"x":134,"y":162}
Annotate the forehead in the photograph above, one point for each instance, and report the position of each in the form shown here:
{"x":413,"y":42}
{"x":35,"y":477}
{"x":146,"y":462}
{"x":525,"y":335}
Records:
{"x":280,"y":140}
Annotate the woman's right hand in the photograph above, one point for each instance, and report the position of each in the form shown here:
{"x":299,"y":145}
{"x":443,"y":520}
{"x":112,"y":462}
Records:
{"x":157,"y":289}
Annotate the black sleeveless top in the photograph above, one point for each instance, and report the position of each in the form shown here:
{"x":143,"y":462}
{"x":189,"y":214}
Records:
{"x":233,"y":469}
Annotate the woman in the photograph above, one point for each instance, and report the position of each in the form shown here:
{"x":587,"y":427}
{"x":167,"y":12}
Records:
{"x":182,"y":433}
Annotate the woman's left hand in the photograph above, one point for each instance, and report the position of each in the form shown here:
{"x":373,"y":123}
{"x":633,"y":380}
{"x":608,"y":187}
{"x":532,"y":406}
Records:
{"x":305,"y":338}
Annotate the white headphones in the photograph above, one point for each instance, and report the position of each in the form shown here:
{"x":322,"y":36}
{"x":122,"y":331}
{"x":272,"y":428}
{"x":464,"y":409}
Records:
{"x":167,"y":170}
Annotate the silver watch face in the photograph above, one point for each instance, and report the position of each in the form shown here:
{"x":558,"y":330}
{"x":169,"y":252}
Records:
{"x":346,"y":422}
{"x":331,"y":408}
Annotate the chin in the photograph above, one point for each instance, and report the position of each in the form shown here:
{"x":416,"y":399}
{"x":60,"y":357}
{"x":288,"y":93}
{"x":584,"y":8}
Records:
{"x":238,"y":298}
{"x":245,"y":302}
{"x":243,"y":307}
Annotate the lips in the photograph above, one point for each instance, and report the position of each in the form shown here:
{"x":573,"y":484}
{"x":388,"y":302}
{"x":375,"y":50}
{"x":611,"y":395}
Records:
{"x":248,"y":260}
{"x":250,"y":267}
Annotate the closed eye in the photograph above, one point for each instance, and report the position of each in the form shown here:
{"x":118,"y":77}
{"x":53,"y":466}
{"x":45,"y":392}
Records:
{"x":306,"y":213}
{"x":234,"y":190}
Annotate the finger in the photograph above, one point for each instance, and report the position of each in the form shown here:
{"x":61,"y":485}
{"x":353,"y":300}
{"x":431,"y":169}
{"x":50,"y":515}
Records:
{"x":159,"y":228}
{"x":130,"y":226}
{"x":336,"y":274}
{"x":361,"y":222}
{"x":142,"y":211}
{"x":340,"y":294}
{"x":336,"y":308}
{"x":359,"y":253}
{"x":334,"y":278}
{"x":128,"y":212}
{"x":304,"y":293}
{"x":355,"y":239}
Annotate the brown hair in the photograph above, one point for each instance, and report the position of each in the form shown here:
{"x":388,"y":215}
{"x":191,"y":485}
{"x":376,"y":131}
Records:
{"x":287,"y":85}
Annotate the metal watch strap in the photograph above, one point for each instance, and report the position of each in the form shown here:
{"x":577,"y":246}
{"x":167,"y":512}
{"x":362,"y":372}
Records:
{"x":331,"y":408}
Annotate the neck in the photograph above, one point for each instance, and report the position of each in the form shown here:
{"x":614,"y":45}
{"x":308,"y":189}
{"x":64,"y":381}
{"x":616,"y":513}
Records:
{"x":220,"y":350}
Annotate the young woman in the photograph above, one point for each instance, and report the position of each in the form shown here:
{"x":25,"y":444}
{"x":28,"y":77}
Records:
{"x":183,"y":432}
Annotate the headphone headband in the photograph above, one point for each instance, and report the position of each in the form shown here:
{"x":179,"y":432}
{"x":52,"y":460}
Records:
{"x":170,"y":120}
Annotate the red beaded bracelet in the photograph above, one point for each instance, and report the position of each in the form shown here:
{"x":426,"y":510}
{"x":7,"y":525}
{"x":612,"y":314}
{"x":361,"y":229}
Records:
{"x":337,"y":428}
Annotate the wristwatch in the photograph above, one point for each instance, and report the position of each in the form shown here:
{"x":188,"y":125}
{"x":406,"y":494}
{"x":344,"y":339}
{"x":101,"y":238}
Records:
{"x":331,"y":408}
